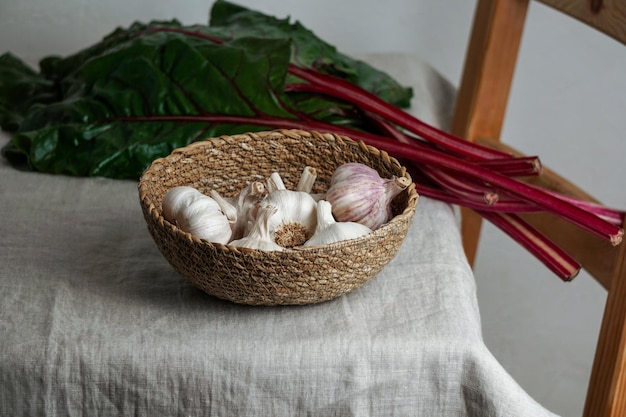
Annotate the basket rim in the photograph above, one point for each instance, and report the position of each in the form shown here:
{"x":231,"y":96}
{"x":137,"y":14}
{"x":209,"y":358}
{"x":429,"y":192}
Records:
{"x":158,"y":164}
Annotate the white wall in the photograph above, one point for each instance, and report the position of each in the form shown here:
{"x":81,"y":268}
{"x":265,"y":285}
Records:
{"x":541,"y":330}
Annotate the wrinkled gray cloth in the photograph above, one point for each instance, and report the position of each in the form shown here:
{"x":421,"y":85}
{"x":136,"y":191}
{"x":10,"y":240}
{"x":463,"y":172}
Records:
{"x":94,"y":321}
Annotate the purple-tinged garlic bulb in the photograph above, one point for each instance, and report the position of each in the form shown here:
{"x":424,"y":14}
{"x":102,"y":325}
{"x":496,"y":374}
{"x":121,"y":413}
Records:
{"x":358,"y":194}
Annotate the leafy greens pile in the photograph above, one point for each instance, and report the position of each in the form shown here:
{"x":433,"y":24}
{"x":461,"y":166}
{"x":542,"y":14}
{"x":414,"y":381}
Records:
{"x":111,"y":109}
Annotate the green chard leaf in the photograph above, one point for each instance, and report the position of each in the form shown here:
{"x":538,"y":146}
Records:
{"x":308,"y":50}
{"x":111,"y":109}
{"x":20,"y":88}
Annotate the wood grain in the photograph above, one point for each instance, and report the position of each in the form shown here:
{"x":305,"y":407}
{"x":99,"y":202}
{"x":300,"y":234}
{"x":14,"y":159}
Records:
{"x":606,"y":395}
{"x":606,"y":16}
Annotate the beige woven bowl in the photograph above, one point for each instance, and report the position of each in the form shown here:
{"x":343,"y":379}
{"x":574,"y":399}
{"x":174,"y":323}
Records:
{"x":294,"y":276}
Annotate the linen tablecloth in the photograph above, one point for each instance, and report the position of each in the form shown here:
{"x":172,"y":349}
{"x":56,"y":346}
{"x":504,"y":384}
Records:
{"x":94,"y":321}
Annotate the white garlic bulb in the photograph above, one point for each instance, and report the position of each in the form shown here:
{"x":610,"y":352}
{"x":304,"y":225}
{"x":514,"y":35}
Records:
{"x":328,"y":230}
{"x":176,"y":199}
{"x":197,"y":214}
{"x":358,"y":194}
{"x":260,"y":236}
{"x":206,"y":222}
{"x":297,"y":214}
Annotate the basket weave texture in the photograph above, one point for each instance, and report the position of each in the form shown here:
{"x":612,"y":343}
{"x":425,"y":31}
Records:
{"x":294,"y":276}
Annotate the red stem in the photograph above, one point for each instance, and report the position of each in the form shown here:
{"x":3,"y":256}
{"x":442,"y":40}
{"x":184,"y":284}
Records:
{"x":468,"y":190}
{"x":518,"y":166}
{"x":509,"y":166}
{"x":615,"y":216}
{"x":500,"y":206}
{"x":461,"y":187}
{"x":336,"y":87}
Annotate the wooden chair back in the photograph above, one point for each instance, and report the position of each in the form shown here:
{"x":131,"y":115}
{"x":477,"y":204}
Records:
{"x":479,"y":114}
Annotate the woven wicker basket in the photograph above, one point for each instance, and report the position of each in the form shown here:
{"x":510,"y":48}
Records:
{"x":294,"y":276}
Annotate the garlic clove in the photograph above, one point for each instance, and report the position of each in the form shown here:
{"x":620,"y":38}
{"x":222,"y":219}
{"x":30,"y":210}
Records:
{"x":358,"y":194}
{"x":351,"y":170}
{"x":260,"y":237}
{"x":328,"y":230}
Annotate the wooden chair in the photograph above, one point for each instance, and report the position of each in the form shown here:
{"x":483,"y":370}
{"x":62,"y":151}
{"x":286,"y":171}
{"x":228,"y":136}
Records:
{"x":479,"y":115}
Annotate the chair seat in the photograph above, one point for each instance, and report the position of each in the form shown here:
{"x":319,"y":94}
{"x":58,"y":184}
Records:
{"x":95,"y":321}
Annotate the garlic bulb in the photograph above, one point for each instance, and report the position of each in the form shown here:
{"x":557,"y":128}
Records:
{"x":197,"y":214}
{"x":358,"y":194}
{"x":206,"y":221}
{"x":328,"y":230}
{"x":297,"y":214}
{"x":176,"y":199}
{"x":260,"y":236}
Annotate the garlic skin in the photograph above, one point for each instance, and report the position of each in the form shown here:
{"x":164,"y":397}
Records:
{"x":328,"y":230}
{"x":297,"y":214}
{"x":260,"y":236}
{"x":197,"y":214}
{"x":358,"y":194}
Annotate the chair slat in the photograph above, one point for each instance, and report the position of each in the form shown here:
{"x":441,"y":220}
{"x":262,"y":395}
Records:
{"x":606,"y":16}
{"x":606,"y":396}
{"x":483,"y":94}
